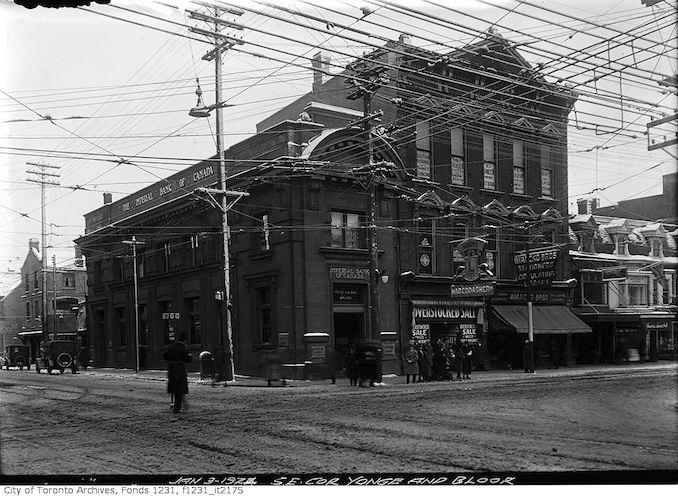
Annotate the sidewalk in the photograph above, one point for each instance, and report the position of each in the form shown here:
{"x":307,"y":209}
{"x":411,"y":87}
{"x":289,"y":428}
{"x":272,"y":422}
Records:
{"x":391,"y":380}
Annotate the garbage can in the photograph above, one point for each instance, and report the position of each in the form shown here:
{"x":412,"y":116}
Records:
{"x":207,"y":369}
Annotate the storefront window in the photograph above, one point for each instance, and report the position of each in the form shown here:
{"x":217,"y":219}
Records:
{"x":665,"y":340}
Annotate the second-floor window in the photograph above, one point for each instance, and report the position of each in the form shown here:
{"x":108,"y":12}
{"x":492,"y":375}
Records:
{"x":346,"y":231}
{"x":423,"y":150}
{"x":489,"y":163}
{"x":68,"y":280}
{"x":457,"y":163}
{"x":637,"y":291}
{"x":35,"y":280}
{"x":594,"y":289}
{"x":264,"y":314}
{"x":264,"y":244}
{"x":519,"y":167}
{"x":546,"y":171}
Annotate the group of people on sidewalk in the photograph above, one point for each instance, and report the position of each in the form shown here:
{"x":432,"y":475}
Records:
{"x":443,"y":360}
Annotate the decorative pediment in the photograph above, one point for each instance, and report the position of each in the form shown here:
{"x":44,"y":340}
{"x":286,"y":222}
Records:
{"x":653,"y":230}
{"x":617,"y":226}
{"x":524,"y":212}
{"x":551,"y":129}
{"x":494,"y":117}
{"x":496,"y":207}
{"x":583,"y":222}
{"x":464,"y":203}
{"x":524,"y":124}
{"x":430,"y":199}
{"x":551,"y":214}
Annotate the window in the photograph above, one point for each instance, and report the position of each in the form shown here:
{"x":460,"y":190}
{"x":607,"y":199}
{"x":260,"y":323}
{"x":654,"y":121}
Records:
{"x":28,"y":310}
{"x":26,"y":280}
{"x":518,"y":167}
{"x":121,"y":323}
{"x":637,"y":291}
{"x":96,"y":269}
{"x":546,"y":171}
{"x":346,"y":232}
{"x":264,"y":317}
{"x":459,"y":233}
{"x":165,"y":308}
{"x":68,"y":280}
{"x":141,"y":263}
{"x":489,"y":165}
{"x":35,"y":279}
{"x":194,"y":323}
{"x":458,"y":167}
{"x":264,"y":244}
{"x":594,"y":288}
{"x":423,"y":150}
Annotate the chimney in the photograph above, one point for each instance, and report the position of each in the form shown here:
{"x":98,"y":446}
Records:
{"x":321,"y":65}
{"x":583,"y":206}
{"x":108,"y":198}
{"x":595,"y":203}
{"x":34,"y":243}
{"x":78,"y":257}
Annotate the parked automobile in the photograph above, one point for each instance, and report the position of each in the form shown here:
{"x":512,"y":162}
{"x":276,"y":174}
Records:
{"x":17,"y":356}
{"x":58,"y":355}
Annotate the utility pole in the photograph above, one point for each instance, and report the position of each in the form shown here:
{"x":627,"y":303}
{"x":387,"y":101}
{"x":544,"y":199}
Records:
{"x":528,"y":284}
{"x":43,"y":181}
{"x":367,"y":81}
{"x":225,"y":356}
{"x":134,"y":244}
{"x":54,"y":295}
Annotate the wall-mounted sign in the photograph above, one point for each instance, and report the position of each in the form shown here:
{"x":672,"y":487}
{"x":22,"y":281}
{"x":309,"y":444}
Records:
{"x":614,"y":273}
{"x":318,"y":352}
{"x":349,"y":273}
{"x":464,"y":290}
{"x":471,"y":249}
{"x":283,"y":339}
{"x":468,"y":333}
{"x":348,"y":293}
{"x":541,"y":267}
{"x":435,"y":311}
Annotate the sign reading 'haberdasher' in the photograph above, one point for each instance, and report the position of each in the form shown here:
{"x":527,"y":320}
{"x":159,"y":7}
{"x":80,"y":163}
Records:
{"x":541,"y":267}
{"x":461,"y":290}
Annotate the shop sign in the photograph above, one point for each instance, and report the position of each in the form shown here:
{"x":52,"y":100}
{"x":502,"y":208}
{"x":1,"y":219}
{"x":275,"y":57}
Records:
{"x":468,"y":333}
{"x":471,"y":249}
{"x":656,"y":325}
{"x":553,"y":297}
{"x":421,"y":332}
{"x":349,"y":273}
{"x":283,"y":339}
{"x":541,"y":267}
{"x":614,"y":273}
{"x":444,"y":312}
{"x":459,"y":290}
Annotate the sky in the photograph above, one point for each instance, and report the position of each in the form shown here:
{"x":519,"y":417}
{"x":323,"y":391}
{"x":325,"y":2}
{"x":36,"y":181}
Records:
{"x":118,"y":93}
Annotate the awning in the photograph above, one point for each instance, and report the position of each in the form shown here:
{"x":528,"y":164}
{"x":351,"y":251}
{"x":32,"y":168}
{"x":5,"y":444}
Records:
{"x":557,"y":319}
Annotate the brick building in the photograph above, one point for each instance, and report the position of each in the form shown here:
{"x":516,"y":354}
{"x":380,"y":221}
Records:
{"x":471,"y":145}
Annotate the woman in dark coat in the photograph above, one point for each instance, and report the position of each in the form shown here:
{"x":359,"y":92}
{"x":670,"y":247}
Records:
{"x":425,"y":362}
{"x":411,"y":362}
{"x":466,"y":360}
{"x":177,"y":357}
{"x":352,"y":371}
{"x":457,"y":360}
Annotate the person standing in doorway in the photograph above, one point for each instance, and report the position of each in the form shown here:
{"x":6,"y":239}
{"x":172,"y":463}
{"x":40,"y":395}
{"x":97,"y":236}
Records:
{"x":352,"y":371}
{"x":177,"y":357}
{"x":411,"y":362}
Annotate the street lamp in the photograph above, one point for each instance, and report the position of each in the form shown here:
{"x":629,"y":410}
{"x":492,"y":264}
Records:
{"x":202,"y":110}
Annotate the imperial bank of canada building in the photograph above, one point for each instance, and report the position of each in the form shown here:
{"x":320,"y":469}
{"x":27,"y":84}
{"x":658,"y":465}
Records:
{"x":472,"y":172}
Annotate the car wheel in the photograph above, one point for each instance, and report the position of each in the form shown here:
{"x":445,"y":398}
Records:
{"x":64,"y":360}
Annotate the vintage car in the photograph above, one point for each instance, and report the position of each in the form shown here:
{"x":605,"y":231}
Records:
{"x":58,"y":355}
{"x":17,"y":356}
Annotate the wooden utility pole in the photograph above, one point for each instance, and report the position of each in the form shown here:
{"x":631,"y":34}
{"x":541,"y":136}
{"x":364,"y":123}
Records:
{"x":134,"y":244}
{"x":43,"y":182}
{"x":367,"y":81}
{"x":225,"y":356}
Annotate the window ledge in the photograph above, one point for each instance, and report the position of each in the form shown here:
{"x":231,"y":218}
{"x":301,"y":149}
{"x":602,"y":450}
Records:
{"x":521,"y":195}
{"x":546,"y":197}
{"x":460,"y":186}
{"x":492,"y":191}
{"x":262,"y":255}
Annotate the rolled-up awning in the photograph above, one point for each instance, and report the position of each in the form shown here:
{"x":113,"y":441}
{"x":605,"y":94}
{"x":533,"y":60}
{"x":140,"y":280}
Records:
{"x":557,"y":319}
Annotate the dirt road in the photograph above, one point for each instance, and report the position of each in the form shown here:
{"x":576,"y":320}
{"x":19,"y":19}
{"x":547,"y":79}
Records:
{"x":617,"y":419}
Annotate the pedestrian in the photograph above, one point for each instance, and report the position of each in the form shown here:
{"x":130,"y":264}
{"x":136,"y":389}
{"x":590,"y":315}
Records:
{"x":352,"y":364}
{"x":438,"y":360}
{"x":425,"y":362}
{"x":411,"y":360}
{"x":457,"y":360}
{"x":466,"y":359}
{"x":177,"y":357}
{"x":526,"y":357}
